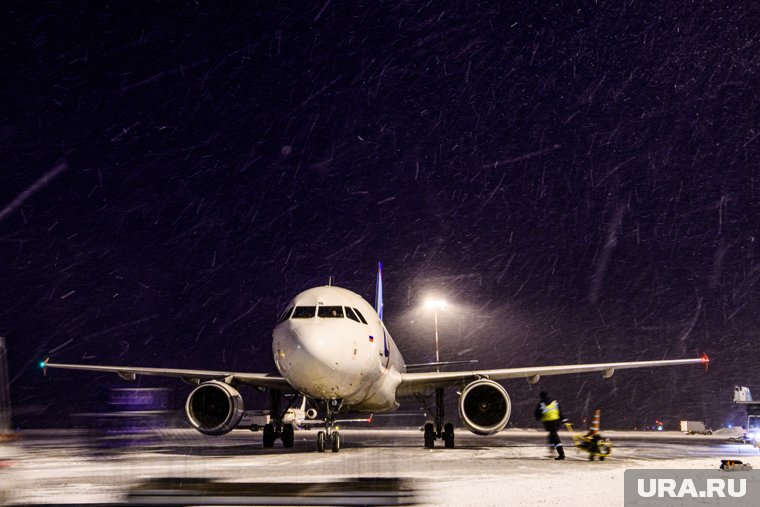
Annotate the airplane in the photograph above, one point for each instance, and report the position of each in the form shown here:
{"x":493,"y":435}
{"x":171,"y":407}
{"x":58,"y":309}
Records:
{"x":332,"y":347}
{"x":305,"y":418}
{"x":301,"y":417}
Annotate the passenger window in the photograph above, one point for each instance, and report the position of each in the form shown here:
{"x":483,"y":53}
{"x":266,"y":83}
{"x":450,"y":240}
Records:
{"x":285,"y":315}
{"x":360,"y":316}
{"x":304,"y":312}
{"x":330,"y":312}
{"x":351,"y":315}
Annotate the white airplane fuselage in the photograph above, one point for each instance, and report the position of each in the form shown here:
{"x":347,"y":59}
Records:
{"x":337,"y":353}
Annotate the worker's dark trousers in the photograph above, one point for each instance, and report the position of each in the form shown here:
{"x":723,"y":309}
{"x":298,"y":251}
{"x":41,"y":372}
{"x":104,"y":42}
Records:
{"x":554,"y":441}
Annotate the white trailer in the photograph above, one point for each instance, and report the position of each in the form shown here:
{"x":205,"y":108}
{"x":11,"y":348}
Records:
{"x":255,"y":420}
{"x":694,"y":428}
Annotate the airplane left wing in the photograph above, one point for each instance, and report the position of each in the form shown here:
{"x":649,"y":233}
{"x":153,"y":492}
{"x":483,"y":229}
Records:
{"x":259,"y":380}
{"x":412,"y":383}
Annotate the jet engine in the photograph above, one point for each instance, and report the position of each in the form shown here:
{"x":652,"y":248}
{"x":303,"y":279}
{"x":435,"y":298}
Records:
{"x":214,"y":408}
{"x":484,"y":407}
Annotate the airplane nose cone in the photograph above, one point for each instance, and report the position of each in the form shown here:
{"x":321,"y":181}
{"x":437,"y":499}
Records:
{"x":320,"y":344}
{"x":313,"y":358}
{"x":307,"y":352}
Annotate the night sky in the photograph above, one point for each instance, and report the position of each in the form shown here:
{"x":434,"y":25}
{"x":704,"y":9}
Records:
{"x":580,"y":180}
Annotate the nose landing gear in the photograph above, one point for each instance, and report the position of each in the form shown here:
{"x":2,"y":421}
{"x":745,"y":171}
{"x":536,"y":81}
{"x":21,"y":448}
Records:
{"x":329,"y":437}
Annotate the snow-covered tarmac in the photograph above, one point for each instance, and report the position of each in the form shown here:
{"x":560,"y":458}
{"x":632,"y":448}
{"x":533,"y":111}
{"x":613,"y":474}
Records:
{"x":509,"y":468}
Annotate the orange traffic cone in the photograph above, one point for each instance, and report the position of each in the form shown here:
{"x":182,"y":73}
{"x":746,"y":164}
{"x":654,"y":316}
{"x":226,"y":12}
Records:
{"x":595,"y":422}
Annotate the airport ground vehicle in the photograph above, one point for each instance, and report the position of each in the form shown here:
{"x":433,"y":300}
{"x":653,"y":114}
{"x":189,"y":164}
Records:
{"x":592,"y":442}
{"x":695,"y":428}
{"x":743,"y":396}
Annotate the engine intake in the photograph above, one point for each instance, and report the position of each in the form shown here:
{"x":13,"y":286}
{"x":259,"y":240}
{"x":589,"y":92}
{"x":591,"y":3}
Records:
{"x":484,"y":407}
{"x":214,"y":408}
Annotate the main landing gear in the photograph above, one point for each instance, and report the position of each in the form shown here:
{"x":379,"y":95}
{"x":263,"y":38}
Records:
{"x":276,"y":429}
{"x":437,"y":430}
{"x":329,"y":438}
{"x":286,"y":433}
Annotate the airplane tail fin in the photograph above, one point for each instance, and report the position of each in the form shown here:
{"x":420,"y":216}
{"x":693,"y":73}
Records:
{"x":379,"y":291}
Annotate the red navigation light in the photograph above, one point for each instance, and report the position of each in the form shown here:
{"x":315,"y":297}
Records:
{"x":705,"y":360}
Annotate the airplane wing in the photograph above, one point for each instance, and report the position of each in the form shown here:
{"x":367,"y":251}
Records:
{"x":258,"y":380}
{"x":412,"y":383}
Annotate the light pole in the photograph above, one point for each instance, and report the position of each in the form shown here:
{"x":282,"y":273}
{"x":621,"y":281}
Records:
{"x":436,"y":305}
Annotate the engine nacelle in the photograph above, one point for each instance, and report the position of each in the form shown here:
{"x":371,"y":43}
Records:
{"x":214,"y":408}
{"x":484,"y":407}
{"x":311,"y":414}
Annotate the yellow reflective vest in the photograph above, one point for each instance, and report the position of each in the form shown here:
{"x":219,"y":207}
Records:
{"x":550,"y":412}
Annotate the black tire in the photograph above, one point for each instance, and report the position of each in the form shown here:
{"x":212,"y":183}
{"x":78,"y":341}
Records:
{"x":335,"y":441}
{"x":288,"y":436}
{"x":321,"y":441}
{"x":448,"y":436}
{"x":269,"y":436}
{"x":429,"y":436}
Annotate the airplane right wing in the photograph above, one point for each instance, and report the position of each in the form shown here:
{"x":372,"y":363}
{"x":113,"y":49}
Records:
{"x":412,"y":383}
{"x":258,"y":380}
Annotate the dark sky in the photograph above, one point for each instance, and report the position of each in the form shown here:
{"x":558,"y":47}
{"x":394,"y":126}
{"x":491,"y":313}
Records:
{"x":580,"y":178}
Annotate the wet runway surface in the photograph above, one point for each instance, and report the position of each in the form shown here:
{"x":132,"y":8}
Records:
{"x":374,"y":467}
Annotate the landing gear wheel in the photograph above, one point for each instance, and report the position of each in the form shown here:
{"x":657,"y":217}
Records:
{"x":288,"y":436}
{"x":321,"y":441}
{"x":604,"y":451}
{"x":335,"y":441}
{"x":429,"y":436}
{"x":448,"y":436}
{"x":269,"y":436}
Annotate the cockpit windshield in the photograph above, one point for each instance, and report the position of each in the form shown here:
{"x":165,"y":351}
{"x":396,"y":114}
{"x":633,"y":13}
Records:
{"x":359,"y":314}
{"x":304,"y":312}
{"x":285,"y":315}
{"x":351,"y":315}
{"x":330,"y":312}
{"x":325,"y":312}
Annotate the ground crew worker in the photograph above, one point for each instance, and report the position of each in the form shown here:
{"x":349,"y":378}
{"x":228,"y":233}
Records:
{"x":549,"y":413}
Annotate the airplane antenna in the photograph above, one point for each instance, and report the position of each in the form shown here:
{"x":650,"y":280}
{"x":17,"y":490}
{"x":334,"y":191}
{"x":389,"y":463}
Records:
{"x":329,"y":281}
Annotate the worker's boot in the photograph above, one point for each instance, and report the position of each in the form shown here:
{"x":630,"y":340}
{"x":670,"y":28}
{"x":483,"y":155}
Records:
{"x":561,"y":452}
